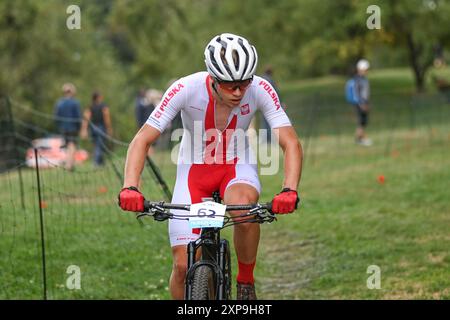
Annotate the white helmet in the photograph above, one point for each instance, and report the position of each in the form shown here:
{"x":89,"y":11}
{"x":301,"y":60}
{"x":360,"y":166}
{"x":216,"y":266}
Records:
{"x":229,"y":57}
{"x":363,"y":64}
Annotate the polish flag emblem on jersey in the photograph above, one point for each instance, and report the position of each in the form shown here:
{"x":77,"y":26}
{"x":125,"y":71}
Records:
{"x":245,"y":109}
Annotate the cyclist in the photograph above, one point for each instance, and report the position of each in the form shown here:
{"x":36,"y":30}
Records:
{"x":214,"y":105}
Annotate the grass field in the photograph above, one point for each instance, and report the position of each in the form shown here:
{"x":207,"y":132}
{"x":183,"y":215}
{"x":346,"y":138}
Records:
{"x":349,"y":219}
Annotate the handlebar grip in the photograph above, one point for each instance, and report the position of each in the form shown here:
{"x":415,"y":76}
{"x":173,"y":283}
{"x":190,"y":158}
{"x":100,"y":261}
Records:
{"x":146,"y":206}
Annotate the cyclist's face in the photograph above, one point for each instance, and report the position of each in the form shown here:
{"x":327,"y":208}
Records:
{"x":233,"y":91}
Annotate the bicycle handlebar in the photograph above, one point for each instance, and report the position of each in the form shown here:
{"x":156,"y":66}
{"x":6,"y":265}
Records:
{"x":160,"y":211}
{"x":164,"y":205}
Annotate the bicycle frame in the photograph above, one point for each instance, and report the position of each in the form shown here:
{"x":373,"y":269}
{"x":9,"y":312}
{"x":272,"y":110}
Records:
{"x":214,"y":254}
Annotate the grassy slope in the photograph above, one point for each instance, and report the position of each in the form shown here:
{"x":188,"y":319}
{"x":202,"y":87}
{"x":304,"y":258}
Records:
{"x":347,"y":222}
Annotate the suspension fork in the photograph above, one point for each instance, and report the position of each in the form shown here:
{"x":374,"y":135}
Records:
{"x":208,"y":243}
{"x":213,"y":253}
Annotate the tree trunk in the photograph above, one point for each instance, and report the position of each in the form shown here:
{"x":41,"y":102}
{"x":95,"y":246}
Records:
{"x":414,"y":54}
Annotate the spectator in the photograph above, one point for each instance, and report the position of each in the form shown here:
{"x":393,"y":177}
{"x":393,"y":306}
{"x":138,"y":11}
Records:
{"x":358,"y":93}
{"x":99,"y":119}
{"x":146,"y":101}
{"x":443,"y":86}
{"x":68,"y":121}
{"x":142,"y":108}
{"x":154,"y":97}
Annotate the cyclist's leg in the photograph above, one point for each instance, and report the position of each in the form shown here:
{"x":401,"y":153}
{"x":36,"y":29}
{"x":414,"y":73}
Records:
{"x":180,"y":234}
{"x":244,"y":188}
{"x":186,"y":191}
{"x":178,"y":274}
{"x":246,"y":240}
{"x":246,"y":235}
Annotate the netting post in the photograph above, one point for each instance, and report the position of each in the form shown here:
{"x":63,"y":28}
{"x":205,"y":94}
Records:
{"x":116,"y":171}
{"x":159,"y":178}
{"x":41,"y":219}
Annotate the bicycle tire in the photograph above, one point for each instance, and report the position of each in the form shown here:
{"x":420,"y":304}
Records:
{"x":203,"y":284}
{"x":227,"y":271}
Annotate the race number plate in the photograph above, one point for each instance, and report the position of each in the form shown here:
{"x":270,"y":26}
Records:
{"x":207,"y":214}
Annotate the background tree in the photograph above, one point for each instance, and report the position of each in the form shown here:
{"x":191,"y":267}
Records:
{"x":418,"y":26}
{"x":124,"y":45}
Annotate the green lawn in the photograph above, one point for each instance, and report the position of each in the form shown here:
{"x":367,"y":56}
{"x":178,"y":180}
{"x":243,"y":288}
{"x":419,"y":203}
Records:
{"x":348,"y":219}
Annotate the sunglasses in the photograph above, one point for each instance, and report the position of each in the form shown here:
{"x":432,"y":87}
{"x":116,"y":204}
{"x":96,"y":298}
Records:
{"x":232,"y":86}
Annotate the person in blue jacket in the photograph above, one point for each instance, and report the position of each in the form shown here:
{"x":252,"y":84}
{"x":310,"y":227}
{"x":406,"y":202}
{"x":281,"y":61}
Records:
{"x":68,"y":121}
{"x":358,"y":94}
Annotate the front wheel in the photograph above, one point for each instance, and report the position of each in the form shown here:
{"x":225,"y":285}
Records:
{"x":203,"y":284}
{"x":226,"y":269}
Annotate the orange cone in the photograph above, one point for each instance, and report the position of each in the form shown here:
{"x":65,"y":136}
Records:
{"x":102,"y":189}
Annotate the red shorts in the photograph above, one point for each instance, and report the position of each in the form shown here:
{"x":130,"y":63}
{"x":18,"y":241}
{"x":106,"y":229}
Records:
{"x":197,"y":181}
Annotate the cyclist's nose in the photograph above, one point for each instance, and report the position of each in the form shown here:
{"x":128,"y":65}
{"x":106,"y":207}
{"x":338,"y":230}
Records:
{"x":237,"y":92}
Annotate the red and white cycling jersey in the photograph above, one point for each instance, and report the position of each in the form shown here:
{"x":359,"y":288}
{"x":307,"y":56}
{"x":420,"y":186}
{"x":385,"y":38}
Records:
{"x":209,"y":159}
{"x":201,"y":141}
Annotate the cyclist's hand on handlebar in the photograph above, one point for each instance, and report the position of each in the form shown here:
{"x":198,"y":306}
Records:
{"x":285,"y":202}
{"x":131,"y":199}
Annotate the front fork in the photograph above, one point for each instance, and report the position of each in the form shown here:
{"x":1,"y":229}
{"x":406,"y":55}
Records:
{"x":216,"y":253}
{"x":225,"y":268}
{"x":213,"y":253}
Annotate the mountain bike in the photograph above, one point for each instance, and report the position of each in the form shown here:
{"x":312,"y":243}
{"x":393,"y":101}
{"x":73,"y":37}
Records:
{"x":209,"y":278}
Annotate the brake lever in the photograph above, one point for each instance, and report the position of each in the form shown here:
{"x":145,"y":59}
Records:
{"x":159,"y":213}
{"x":263,"y":214}
{"x":161,"y":216}
{"x":152,"y":210}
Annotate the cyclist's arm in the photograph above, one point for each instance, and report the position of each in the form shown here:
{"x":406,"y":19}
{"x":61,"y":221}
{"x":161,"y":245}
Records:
{"x":293,"y":156}
{"x":137,"y":150}
{"x":270,"y":105}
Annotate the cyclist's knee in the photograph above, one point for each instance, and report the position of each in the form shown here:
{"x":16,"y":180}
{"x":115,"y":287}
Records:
{"x":242,"y":198}
{"x":238,"y":199}
{"x":240,"y":194}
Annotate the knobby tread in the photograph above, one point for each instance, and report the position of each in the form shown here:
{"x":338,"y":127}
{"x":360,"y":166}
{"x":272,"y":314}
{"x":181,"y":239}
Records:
{"x":202,"y":284}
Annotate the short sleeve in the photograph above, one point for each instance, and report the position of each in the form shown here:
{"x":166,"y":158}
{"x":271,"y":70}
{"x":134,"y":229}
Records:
{"x":171,"y":103}
{"x":270,"y":105}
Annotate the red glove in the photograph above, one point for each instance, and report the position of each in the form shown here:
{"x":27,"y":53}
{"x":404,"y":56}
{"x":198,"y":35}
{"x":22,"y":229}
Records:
{"x":285,"y":202}
{"x":130,"y":199}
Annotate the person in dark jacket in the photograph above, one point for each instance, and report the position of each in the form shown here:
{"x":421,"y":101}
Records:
{"x":99,"y":119}
{"x":143,"y":108}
